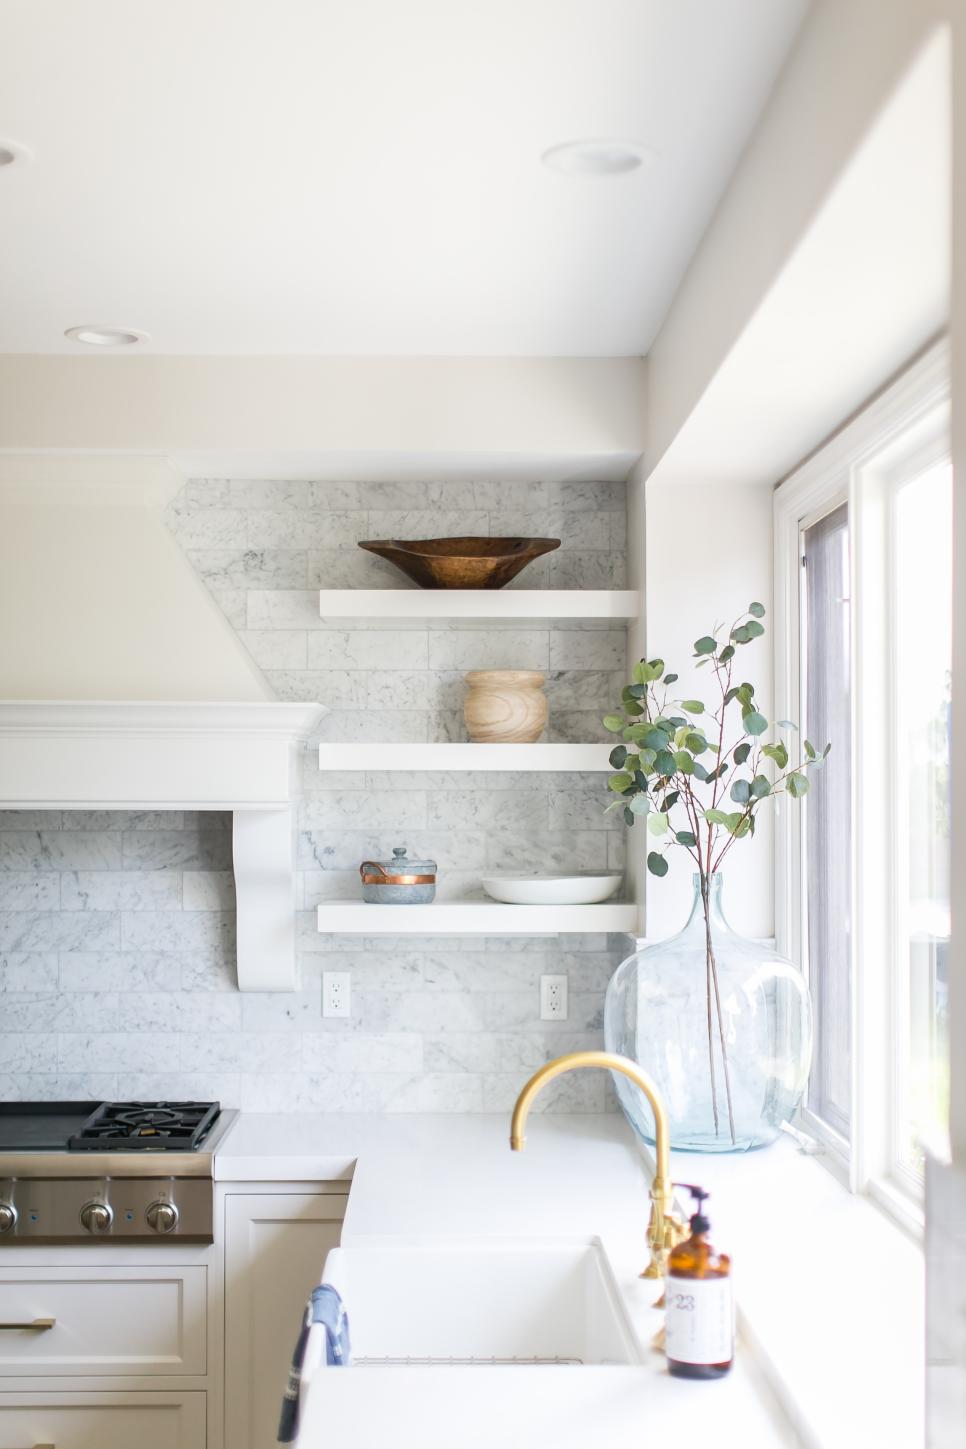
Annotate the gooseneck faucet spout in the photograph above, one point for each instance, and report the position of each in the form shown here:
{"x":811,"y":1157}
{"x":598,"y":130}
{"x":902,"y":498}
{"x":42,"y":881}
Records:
{"x":665,"y":1228}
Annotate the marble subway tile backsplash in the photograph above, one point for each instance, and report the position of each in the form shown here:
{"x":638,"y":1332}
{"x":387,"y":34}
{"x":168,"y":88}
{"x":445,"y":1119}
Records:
{"x":117,"y":929}
{"x":123,"y":983}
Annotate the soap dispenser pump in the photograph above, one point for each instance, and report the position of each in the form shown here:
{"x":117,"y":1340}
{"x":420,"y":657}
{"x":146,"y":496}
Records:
{"x":699,"y":1308}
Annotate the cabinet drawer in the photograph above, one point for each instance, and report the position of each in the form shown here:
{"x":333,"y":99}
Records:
{"x":102,"y":1421}
{"x":102,"y":1321}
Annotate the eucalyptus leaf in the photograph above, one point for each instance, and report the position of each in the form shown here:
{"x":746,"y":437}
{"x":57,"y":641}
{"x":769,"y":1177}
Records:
{"x":796,"y":785}
{"x":692,"y":706}
{"x":629,"y":816}
{"x":684,"y":837}
{"x":787,"y":724}
{"x":776,"y":752}
{"x":670,"y":679}
{"x":669,"y":801}
{"x":753,"y":629}
{"x":741,"y":635}
{"x":656,"y":864}
{"x":614,"y":723}
{"x":716,"y":817}
{"x":621,"y":782}
{"x":700,"y":773}
{"x":665,"y":763}
{"x":618,"y":756}
{"x":705,"y":645}
{"x":755,"y":723}
{"x":760,"y":787}
{"x":655,"y":739}
{"x":741,"y":791}
{"x":640,"y":804}
{"x":741,"y":753}
{"x":757,"y":609}
{"x":810,"y":750}
{"x":728,"y":652}
{"x":657,"y":823}
{"x":684,"y":762}
{"x":695,"y":742}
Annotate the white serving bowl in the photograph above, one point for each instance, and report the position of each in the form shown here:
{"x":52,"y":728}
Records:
{"x":551,"y":890}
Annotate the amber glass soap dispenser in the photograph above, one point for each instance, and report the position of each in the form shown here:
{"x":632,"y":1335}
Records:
{"x":699,"y":1311}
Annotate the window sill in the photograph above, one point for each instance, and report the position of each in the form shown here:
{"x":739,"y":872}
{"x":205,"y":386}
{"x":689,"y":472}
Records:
{"x":830,"y":1295}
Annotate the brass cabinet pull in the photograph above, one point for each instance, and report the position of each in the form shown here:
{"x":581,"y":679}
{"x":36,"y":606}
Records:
{"x":35,"y":1325}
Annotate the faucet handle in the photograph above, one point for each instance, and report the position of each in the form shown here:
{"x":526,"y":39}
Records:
{"x":664,"y":1231}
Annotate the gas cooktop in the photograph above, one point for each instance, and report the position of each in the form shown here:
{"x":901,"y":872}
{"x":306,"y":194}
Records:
{"x":73,"y":1172}
{"x":106,"y":1126}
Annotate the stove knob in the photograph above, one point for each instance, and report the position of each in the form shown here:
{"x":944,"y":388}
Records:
{"x":97,"y":1217}
{"x":8,"y":1217}
{"x":162,"y":1216}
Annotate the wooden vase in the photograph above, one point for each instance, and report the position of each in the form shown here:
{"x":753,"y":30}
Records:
{"x":505,"y":706}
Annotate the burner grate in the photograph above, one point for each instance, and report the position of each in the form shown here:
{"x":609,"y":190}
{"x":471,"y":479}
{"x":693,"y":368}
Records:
{"x":145,"y":1127}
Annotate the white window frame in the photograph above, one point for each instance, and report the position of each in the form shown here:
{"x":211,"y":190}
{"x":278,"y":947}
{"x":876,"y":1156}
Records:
{"x":893,"y":438}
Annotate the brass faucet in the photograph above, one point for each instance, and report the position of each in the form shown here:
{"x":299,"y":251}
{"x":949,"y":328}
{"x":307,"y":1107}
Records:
{"x":665,"y":1227}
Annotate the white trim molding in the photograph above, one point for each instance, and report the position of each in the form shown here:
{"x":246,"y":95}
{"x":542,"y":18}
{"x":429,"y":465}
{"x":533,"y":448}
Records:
{"x":905,"y":427}
{"x":115,"y":755}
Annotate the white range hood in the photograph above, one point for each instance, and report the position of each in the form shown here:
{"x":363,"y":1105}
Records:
{"x":93,"y":755}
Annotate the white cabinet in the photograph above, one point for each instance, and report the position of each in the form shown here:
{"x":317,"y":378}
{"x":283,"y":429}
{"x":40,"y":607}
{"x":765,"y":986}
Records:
{"x":275,"y":1246}
{"x":102,"y":1421}
{"x":102,"y":1321}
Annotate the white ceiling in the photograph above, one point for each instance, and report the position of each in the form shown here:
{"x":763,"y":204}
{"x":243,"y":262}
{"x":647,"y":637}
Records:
{"x":363,"y":176}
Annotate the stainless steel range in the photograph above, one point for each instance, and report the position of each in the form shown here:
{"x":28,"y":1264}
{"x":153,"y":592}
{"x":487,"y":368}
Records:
{"x":81,"y":1172}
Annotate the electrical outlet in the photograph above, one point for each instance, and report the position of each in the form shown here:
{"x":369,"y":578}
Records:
{"x":553,"y":998}
{"x":336,"y":993}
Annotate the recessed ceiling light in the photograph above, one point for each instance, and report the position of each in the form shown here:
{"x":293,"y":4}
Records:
{"x":94,"y":335}
{"x":596,"y":158}
{"x":11,"y":152}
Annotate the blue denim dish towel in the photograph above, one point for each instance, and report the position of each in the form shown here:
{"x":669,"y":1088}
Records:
{"x":325,"y":1307}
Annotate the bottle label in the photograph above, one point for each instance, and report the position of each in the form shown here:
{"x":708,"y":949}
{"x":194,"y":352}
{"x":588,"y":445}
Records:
{"x":699,"y":1320}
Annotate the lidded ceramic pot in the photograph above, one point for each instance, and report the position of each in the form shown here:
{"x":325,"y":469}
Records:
{"x":505,"y":706}
{"x":398,"y":882}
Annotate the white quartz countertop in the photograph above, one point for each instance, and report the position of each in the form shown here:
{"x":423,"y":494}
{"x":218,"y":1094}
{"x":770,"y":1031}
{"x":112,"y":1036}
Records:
{"x":455,"y":1176}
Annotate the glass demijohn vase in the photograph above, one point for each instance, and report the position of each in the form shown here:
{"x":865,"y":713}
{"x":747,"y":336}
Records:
{"x":730,"y":1059}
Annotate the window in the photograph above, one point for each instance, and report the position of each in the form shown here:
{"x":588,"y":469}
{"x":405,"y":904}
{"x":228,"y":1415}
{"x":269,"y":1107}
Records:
{"x":922,"y":608}
{"x":825,"y":714}
{"x":863,"y":628}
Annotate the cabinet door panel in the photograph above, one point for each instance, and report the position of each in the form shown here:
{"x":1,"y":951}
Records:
{"x":102,"y":1320}
{"x":275,"y":1247}
{"x":103,"y":1421}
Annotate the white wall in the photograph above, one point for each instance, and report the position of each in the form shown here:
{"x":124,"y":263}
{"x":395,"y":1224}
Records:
{"x":96,"y":598}
{"x":849,"y":57}
{"x":576,"y":407}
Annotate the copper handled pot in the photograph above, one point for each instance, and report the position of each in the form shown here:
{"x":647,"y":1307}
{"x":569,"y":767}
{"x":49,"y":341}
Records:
{"x":399,"y":881}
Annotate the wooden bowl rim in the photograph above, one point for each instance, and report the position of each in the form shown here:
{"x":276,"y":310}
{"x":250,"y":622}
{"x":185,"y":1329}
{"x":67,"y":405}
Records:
{"x":416,"y":547}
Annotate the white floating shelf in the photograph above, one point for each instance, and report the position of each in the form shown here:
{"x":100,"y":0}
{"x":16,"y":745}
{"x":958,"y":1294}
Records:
{"x":474,"y":918}
{"x":457,"y":756}
{"x":617,"y":604}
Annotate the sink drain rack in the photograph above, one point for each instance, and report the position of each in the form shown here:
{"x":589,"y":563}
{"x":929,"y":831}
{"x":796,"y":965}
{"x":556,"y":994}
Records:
{"x":430,"y":1361}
